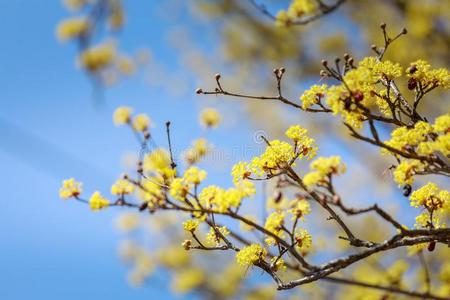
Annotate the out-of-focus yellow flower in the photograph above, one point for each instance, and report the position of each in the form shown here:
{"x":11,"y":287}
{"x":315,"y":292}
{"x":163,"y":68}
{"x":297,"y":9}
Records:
{"x":122,"y":115}
{"x":210,"y":117}
{"x":70,"y":188}
{"x":127,"y":221}
{"x":97,"y":201}
{"x":141,"y":122}
{"x":122,"y":187}
{"x":98,"y":57}
{"x":186,"y":280}
{"x":72,"y":28}
{"x":125,"y":65}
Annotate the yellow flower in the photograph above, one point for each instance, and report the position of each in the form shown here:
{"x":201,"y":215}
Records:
{"x":125,"y":65}
{"x":299,"y":208}
{"x":278,"y":264}
{"x":240,"y":171}
{"x":191,"y":225}
{"x":209,"y":117}
{"x":98,"y":57}
{"x":299,"y":8}
{"x":178,"y":189}
{"x":122,"y":115}
{"x":274,"y":223}
{"x":278,"y":155}
{"x":141,"y":122}
{"x":213,"y":238}
{"x":97,"y":201}
{"x":158,"y":161}
{"x":405,"y":171}
{"x":250,"y":255}
{"x":313,"y":95}
{"x":186,"y":280}
{"x":430,"y":197}
{"x":128,"y":221}
{"x":304,"y":240}
{"x":70,"y":188}
{"x":200,"y":148}
{"x":442,"y":123}
{"x":323,"y":167}
{"x":122,"y":187}
{"x":72,"y":28}
{"x":194,"y":175}
{"x":420,"y":71}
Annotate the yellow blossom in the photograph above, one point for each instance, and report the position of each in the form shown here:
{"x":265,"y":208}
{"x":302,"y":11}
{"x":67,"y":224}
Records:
{"x":72,"y":28}
{"x":158,"y":162}
{"x":98,"y":57}
{"x":141,"y":122}
{"x":430,"y":196}
{"x":194,"y":175}
{"x":122,"y":187}
{"x":442,"y":124}
{"x":210,"y":117}
{"x":70,"y":188}
{"x":278,"y":264}
{"x":299,"y":208}
{"x":127,"y":221}
{"x":122,"y":115}
{"x":191,"y":225}
{"x":405,"y":171}
{"x":213,"y":238}
{"x":97,"y":201}
{"x":313,"y":96}
{"x":186,"y":280}
{"x":323,"y":167}
{"x":250,"y":255}
{"x":274,"y":223}
{"x":304,"y":240}
{"x":178,"y":189}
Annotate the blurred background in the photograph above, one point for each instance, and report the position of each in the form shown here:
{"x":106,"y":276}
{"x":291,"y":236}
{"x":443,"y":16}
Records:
{"x":55,"y":120}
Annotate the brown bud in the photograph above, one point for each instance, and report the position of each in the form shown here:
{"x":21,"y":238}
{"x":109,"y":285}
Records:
{"x":412,"y":83}
{"x":199,"y":91}
{"x":412,"y":69}
{"x":323,"y":73}
{"x":324,"y":63}
{"x":147,"y":135}
{"x":217,"y":76}
{"x":125,"y":176}
{"x":404,"y":31}
{"x":282,"y":70}
{"x":277,"y":196}
{"x":346,"y":56}
{"x":143,"y":206}
{"x":275,"y":71}
{"x":359,"y":96}
{"x":383,"y":25}
{"x":186,"y":244}
{"x":373,"y":47}
{"x":431,"y":246}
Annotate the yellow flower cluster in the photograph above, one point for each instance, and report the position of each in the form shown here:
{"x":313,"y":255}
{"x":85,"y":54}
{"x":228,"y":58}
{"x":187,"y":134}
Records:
{"x":143,"y":264}
{"x":122,"y":115}
{"x":423,"y":137}
{"x":186,"y":280}
{"x":435,"y":201}
{"x":304,"y":241}
{"x":222,"y":200}
{"x":199,"y":149}
{"x":213,"y":238}
{"x":180,"y":187}
{"x":313,"y":95}
{"x":122,"y":187}
{"x":158,"y":162}
{"x":98,"y":57}
{"x":97,"y":201}
{"x":323,"y":167}
{"x":210,"y":117}
{"x":381,"y":70}
{"x":274,"y":223}
{"x":70,"y":188}
{"x":191,"y":225}
{"x":151,"y":191}
{"x":72,"y":28}
{"x":421,"y":72}
{"x":296,"y":9}
{"x":299,"y":208}
{"x":277,"y":264}
{"x":405,"y":171}
{"x":141,"y":122}
{"x":250,"y":255}
{"x":300,"y":138}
